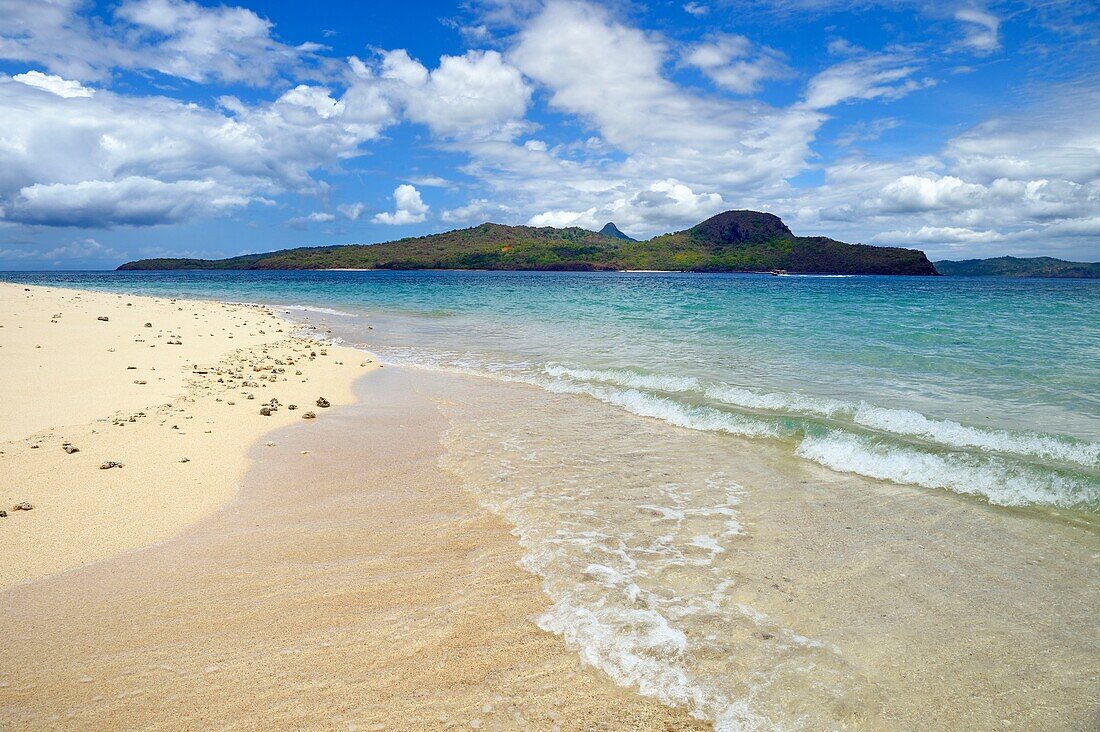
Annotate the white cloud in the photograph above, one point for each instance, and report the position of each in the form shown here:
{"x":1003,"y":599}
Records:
{"x":133,"y":200}
{"x":668,"y":200}
{"x":473,"y":96}
{"x":981,"y":29}
{"x":175,"y":37}
{"x":316,"y":217}
{"x":733,"y":63}
{"x":912,"y":193}
{"x":883,"y":76}
{"x":81,"y":249}
{"x":351,"y":211}
{"x":408,"y":207}
{"x":216,"y":161}
{"x":54,"y":84}
{"x":431,"y":181}
{"x":696,"y":9}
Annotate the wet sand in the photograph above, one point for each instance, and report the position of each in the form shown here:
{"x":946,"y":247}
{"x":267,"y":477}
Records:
{"x":841,"y":602}
{"x":356,"y":586}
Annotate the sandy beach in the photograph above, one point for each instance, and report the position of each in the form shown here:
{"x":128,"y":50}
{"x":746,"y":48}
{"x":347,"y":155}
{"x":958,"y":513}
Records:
{"x":171,"y":389}
{"x":347,"y":581}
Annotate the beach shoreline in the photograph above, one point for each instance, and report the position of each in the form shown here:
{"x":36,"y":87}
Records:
{"x":352,"y":583}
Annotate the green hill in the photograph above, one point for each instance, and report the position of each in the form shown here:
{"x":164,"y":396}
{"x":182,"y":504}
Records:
{"x":734,"y":241}
{"x":1020,"y":267}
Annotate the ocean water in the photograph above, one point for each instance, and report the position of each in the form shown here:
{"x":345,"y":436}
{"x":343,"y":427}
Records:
{"x":986,"y":387}
{"x":687,"y":458}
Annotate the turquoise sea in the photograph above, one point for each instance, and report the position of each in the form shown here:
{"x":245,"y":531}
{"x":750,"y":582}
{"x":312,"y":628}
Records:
{"x":981,"y":386}
{"x":779,"y":502}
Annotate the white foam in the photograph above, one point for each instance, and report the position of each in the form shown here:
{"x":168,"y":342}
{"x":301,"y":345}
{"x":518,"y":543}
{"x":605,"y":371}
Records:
{"x":999,"y":481}
{"x":705,"y":419}
{"x":317,"y":309}
{"x":777,"y":401}
{"x":954,"y":434}
{"x":625,"y":378}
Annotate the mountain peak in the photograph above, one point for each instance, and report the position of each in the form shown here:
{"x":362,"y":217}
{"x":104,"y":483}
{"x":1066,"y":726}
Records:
{"x":735,"y":227}
{"x":609,"y":229}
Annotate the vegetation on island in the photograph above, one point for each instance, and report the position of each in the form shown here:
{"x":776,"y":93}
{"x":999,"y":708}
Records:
{"x":734,"y":241}
{"x":1020,"y":267}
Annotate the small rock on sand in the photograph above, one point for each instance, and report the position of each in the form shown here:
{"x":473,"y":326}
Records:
{"x":309,"y":415}
{"x":148,"y":325}
{"x":322,"y":402}
{"x":265,"y":411}
{"x":185,"y":460}
{"x":70,"y":448}
{"x":3,"y":514}
{"x":104,"y":318}
{"x":292,"y":407}
{"x":24,"y":506}
{"x":110,"y":464}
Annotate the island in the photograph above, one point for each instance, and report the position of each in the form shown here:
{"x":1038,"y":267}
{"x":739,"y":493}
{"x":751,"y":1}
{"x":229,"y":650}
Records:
{"x":1020,"y":267}
{"x":734,"y":241}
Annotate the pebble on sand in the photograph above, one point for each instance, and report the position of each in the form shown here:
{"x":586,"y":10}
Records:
{"x":322,"y":402}
{"x":110,"y":464}
{"x":309,"y":415}
{"x":104,"y":318}
{"x":24,"y":506}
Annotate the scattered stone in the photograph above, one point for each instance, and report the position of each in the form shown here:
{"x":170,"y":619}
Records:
{"x":24,"y":506}
{"x":131,"y":368}
{"x":265,"y":411}
{"x":3,"y":514}
{"x":69,"y":448}
{"x":185,"y":460}
{"x":297,"y":373}
{"x":148,"y":325}
{"x":110,"y":464}
{"x":139,"y":381}
{"x":292,"y":407}
{"x":323,"y":403}
{"x":271,"y":444}
{"x":104,"y":318}
{"x":309,"y":415}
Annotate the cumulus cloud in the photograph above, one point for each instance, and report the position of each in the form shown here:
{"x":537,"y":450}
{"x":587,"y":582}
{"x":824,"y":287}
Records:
{"x":54,"y":84}
{"x":134,"y":200}
{"x":408,"y":207}
{"x":611,"y":76}
{"x":477,"y":95}
{"x":95,"y":148}
{"x":199,"y":43}
{"x":175,"y":37}
{"x":732,"y":62}
{"x":667,"y":200}
{"x":981,"y":29}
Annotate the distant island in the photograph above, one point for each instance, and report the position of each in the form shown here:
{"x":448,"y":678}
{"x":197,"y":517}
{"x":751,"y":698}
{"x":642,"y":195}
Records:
{"x":1019,"y":267}
{"x":734,"y":241}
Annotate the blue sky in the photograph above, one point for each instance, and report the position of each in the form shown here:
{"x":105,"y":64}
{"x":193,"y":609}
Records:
{"x":174,"y":128}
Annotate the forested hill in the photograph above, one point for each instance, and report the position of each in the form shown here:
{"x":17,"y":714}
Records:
{"x":734,"y":241}
{"x":1020,"y":267}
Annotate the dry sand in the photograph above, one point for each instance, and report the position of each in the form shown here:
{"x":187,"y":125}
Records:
{"x":147,"y":397}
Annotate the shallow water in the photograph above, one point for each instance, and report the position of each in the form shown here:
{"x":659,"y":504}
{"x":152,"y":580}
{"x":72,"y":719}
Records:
{"x":781,"y":503}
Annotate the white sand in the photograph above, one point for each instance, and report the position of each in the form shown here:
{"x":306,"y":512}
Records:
{"x":65,"y":375}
